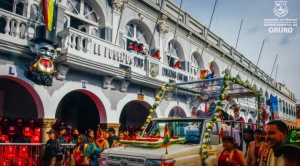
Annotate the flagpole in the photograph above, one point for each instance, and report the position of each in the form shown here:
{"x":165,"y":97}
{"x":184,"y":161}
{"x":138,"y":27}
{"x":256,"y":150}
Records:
{"x":166,"y":149}
{"x":258,"y":60}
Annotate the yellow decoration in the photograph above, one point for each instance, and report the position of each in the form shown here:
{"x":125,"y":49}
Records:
{"x":143,"y":127}
{"x":163,"y":89}
{"x":209,"y":125}
{"x":151,"y":111}
{"x":206,"y":134}
{"x":158,"y":98}
{"x":148,"y":120}
{"x":204,"y":146}
{"x":218,"y":107}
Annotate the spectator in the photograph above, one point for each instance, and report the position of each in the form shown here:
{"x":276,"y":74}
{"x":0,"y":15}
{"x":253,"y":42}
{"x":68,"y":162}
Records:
{"x":112,"y":138}
{"x":248,"y":137}
{"x":136,"y":47}
{"x":177,"y":65}
{"x":61,"y":134}
{"x":62,"y":139}
{"x":290,"y":149}
{"x":156,"y":55}
{"x":79,"y":149}
{"x":126,"y":134}
{"x":229,"y":155}
{"x":102,"y":142}
{"x":121,"y":135}
{"x":142,"y":49}
{"x":95,"y":156}
{"x":74,"y":135}
{"x":276,"y":132}
{"x":255,"y":149}
{"x":130,"y":46}
{"x":52,"y":154}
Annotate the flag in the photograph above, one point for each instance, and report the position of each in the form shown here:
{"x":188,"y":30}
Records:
{"x":45,"y":12}
{"x":222,"y":133}
{"x":48,"y":13}
{"x":203,"y":74}
{"x":166,"y":141}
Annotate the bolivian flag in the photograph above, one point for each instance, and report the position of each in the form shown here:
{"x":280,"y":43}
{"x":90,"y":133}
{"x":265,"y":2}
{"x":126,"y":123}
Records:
{"x":48,"y":13}
{"x":167,"y":139}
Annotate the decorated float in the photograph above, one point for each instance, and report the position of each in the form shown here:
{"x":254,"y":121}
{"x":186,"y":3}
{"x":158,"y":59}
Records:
{"x":190,"y":136}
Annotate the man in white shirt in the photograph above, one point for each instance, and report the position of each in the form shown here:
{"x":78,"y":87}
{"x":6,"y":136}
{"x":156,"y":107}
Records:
{"x":276,"y":132}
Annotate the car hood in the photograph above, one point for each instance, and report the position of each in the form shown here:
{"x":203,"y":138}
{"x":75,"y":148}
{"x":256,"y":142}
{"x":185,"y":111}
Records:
{"x":174,"y":151}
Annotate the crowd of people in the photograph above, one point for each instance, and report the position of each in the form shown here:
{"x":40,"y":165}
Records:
{"x":87,"y":149}
{"x":275,"y":146}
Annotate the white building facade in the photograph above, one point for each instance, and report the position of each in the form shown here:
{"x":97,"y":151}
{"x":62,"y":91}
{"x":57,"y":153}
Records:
{"x":99,"y":80}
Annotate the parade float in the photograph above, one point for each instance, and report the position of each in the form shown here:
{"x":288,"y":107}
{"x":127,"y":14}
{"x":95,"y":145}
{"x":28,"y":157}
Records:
{"x":179,"y":141}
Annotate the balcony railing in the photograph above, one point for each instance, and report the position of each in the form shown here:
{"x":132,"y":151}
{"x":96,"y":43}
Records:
{"x":77,"y":43}
{"x":17,"y":29}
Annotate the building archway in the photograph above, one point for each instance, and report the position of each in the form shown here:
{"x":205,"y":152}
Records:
{"x":14,"y":90}
{"x":81,"y":109}
{"x":177,"y":112}
{"x":133,"y":115}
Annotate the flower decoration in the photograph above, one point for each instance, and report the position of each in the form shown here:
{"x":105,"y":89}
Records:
{"x":158,"y":99}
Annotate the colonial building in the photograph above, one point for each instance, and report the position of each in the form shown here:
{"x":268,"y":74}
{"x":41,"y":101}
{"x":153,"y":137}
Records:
{"x":105,"y":71}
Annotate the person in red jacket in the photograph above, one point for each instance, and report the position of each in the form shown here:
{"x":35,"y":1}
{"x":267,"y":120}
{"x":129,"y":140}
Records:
{"x":177,"y":65}
{"x":156,"y":55}
{"x":130,"y":46}
{"x":136,"y":47}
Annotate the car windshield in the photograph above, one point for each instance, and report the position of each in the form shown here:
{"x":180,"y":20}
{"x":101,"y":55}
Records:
{"x":188,"y":129}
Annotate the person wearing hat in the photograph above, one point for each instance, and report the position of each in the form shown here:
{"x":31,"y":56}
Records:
{"x":290,"y":149}
{"x":255,"y":149}
{"x":112,"y":138}
{"x":276,"y":132}
{"x":52,"y":154}
{"x":248,"y":137}
{"x":65,"y":150}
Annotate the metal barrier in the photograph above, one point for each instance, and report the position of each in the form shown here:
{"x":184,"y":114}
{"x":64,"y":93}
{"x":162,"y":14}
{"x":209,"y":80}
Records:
{"x":28,"y":154}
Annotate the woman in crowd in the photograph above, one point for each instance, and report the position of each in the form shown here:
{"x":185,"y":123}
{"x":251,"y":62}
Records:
{"x":255,"y":149}
{"x":229,"y":155}
{"x":102,"y":142}
{"x":80,"y":147}
{"x":95,"y":156}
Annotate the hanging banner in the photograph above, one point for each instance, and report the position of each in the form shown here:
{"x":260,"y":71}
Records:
{"x":274,"y":106}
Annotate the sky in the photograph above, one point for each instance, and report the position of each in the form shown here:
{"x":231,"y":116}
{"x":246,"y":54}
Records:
{"x":226,"y":24}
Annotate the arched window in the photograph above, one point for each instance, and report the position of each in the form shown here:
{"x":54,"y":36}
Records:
{"x":195,"y":64}
{"x":20,"y":9}
{"x":82,"y":16}
{"x":7,"y":5}
{"x":35,"y":13}
{"x":173,"y":54}
{"x":134,"y":35}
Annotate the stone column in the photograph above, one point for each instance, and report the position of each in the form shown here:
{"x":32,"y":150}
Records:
{"x":46,"y":124}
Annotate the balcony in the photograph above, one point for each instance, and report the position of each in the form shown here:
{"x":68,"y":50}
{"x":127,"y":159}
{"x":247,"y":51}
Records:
{"x":77,"y":44}
{"x":17,"y":29}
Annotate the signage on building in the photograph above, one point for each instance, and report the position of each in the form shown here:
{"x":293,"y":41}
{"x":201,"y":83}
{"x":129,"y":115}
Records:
{"x":123,"y":57}
{"x":174,"y":75}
